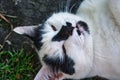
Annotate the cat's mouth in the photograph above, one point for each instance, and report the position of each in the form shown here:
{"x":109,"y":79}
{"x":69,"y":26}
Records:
{"x":54,"y":68}
{"x":47,"y":73}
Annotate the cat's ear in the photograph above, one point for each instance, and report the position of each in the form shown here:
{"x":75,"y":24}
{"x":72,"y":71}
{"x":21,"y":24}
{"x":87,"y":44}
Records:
{"x":32,"y":32}
{"x":26,"y":30}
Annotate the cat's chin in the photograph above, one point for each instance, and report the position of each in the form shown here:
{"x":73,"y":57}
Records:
{"x":48,"y":73}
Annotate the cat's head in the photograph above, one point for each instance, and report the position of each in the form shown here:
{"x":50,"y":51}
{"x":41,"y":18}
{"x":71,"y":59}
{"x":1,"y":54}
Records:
{"x":64,"y":45}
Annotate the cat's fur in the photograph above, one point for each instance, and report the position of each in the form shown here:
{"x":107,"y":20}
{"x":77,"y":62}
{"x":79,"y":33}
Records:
{"x":82,"y":45}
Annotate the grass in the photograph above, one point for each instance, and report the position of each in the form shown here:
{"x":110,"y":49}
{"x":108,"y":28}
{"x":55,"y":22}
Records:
{"x":16,"y":66}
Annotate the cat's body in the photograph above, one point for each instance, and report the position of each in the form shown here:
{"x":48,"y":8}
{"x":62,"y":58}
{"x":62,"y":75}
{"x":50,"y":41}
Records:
{"x":103,"y":18}
{"x":82,"y":45}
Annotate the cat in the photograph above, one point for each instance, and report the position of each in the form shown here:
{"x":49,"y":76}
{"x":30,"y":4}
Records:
{"x":81,"y":45}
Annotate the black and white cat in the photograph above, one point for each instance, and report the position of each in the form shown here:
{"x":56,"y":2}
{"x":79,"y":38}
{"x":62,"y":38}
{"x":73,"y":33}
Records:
{"x":81,"y":45}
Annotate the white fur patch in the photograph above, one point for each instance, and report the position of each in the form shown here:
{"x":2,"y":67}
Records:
{"x":97,"y":53}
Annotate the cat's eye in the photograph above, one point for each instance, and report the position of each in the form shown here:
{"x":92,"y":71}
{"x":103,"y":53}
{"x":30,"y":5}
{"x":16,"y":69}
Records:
{"x":53,"y":27}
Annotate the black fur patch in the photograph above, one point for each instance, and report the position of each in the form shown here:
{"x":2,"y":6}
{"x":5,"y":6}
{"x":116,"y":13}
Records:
{"x":55,"y":62}
{"x":65,"y":65}
{"x":84,"y":25}
{"x":38,"y":36}
{"x":69,"y":24}
{"x":64,"y":33}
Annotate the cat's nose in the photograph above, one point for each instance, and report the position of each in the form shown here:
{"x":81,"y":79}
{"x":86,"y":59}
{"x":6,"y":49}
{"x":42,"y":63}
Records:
{"x":64,"y":32}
